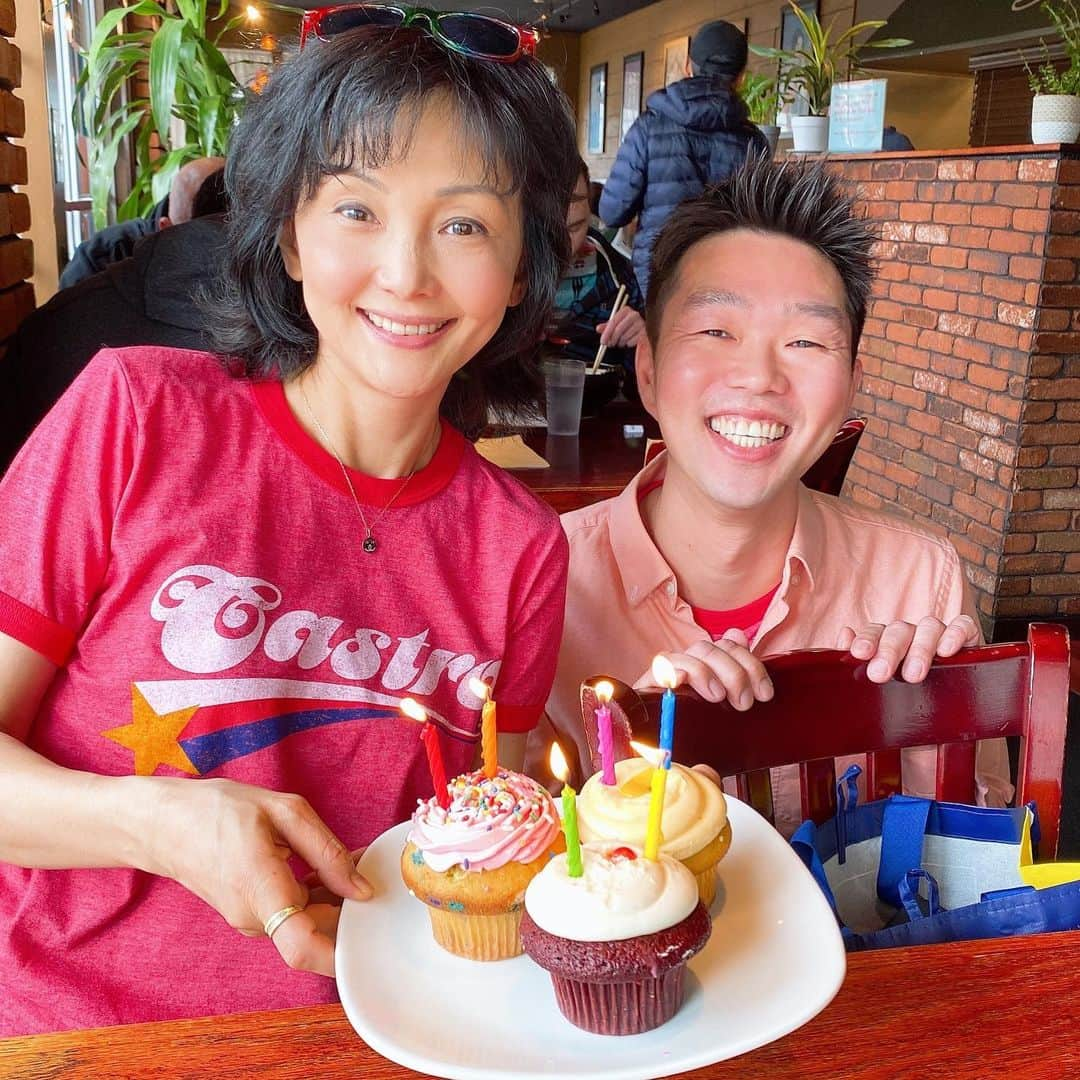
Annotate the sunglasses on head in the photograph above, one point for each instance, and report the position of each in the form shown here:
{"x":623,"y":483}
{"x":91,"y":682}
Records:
{"x":459,"y":31}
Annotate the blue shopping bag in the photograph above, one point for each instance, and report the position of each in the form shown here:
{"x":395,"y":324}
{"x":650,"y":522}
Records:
{"x":910,"y":871}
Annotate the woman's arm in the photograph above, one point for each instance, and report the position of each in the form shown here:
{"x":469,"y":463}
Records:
{"x":226,"y":842}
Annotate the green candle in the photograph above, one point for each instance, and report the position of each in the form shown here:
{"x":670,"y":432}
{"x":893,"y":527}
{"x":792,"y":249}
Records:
{"x":570,"y":829}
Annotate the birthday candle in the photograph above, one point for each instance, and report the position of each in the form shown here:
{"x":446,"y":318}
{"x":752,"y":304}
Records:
{"x":653,"y":833}
{"x":561,"y":772}
{"x":430,"y":739}
{"x":664,"y":674}
{"x":604,"y":690}
{"x":488,"y":738}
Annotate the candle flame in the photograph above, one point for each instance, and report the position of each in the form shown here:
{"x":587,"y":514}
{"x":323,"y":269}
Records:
{"x":253,"y":13}
{"x":557,"y":763}
{"x":604,"y":691}
{"x":479,"y":688}
{"x":413,"y":709}
{"x":652,"y":754}
{"x":663,"y":672}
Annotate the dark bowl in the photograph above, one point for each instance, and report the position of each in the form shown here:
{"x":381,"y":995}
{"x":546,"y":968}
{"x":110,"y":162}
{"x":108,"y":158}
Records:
{"x":601,"y":388}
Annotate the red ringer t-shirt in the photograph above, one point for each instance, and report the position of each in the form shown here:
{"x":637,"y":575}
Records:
{"x":174,"y":541}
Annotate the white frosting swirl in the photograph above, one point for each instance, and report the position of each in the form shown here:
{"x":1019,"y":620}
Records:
{"x":615,"y":898}
{"x":694,"y":808}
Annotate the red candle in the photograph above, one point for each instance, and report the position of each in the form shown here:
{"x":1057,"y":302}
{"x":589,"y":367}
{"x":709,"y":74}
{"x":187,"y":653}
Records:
{"x":429,"y":736}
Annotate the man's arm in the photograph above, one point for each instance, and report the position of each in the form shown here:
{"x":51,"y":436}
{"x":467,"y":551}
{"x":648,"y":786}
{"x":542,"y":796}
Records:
{"x":624,"y":190}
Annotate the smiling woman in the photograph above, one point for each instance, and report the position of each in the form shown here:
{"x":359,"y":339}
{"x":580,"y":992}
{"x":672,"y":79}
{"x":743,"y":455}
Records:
{"x":177,"y":530}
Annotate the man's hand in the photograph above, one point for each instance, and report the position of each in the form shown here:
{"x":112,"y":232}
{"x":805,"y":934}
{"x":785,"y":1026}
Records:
{"x":229,"y":844}
{"x":623,"y":329}
{"x":907,"y":644}
{"x":720,"y":670}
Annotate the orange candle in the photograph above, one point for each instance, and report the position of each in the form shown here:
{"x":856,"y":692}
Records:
{"x":488,"y":740}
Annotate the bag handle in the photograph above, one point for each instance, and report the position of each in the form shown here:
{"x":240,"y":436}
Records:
{"x":908,"y":890}
{"x":847,"y":798}
{"x":903,"y":825}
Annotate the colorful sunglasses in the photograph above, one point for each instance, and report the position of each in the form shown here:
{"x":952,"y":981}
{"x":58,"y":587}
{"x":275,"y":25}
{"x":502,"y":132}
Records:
{"x":459,"y":31}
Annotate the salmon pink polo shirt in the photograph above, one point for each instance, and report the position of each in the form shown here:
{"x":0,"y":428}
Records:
{"x":846,"y":565}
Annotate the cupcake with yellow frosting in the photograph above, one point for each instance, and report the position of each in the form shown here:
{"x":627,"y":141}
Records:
{"x":694,"y":829}
{"x":471,"y":862}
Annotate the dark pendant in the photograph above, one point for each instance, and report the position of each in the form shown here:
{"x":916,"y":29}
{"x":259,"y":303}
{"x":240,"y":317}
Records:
{"x":369,"y":544}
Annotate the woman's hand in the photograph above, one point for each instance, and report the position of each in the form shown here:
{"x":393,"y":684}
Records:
{"x":907,"y":644}
{"x":720,"y":670}
{"x":229,"y":844}
{"x":623,"y":329}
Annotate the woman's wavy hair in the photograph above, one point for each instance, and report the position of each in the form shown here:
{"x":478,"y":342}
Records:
{"x":353,"y":101}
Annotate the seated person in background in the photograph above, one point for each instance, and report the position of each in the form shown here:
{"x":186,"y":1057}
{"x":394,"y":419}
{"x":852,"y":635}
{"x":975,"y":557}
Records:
{"x":587,"y":291}
{"x":116,"y":242}
{"x":147,"y":299}
{"x":716,"y":554}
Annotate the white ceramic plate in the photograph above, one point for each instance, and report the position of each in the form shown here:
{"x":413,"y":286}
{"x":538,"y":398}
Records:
{"x":775,"y":959}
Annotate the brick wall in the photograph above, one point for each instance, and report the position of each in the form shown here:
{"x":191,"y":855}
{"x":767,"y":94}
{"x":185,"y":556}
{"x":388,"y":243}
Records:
{"x":16,"y":254}
{"x":971,"y":360}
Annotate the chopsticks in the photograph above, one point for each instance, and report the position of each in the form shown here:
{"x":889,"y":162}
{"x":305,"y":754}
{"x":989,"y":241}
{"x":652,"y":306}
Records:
{"x":620,"y":300}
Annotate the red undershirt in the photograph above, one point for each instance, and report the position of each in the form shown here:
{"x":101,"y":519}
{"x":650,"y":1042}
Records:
{"x":746,"y":618}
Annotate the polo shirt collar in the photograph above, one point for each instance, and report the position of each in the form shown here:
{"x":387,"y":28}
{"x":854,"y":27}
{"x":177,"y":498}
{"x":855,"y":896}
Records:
{"x":808,"y":540}
{"x":643,"y":569}
{"x":641,"y":566}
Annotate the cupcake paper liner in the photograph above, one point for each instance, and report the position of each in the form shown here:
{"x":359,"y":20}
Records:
{"x":477,"y":937}
{"x":706,"y":883}
{"x":620,"y":1008}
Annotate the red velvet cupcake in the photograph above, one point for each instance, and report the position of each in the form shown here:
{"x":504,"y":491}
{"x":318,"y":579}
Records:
{"x":615,"y":940}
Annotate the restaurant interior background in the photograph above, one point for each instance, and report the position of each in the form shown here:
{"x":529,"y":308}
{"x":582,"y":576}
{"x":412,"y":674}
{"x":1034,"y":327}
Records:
{"x":972,"y":348}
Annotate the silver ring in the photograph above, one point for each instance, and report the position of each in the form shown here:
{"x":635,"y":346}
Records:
{"x":278,"y":918}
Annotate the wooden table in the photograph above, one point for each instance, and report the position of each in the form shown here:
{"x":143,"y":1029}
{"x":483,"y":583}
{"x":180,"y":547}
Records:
{"x":1006,"y":1008}
{"x":596,"y":464}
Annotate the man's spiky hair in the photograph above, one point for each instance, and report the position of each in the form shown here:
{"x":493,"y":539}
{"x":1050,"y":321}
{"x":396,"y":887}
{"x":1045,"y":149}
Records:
{"x":804,"y":201}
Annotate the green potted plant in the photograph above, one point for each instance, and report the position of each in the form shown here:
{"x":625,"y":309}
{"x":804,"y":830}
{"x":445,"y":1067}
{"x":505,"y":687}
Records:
{"x":1055,"y":109}
{"x":194,"y":98}
{"x":812,"y":69}
{"x":762,"y":98}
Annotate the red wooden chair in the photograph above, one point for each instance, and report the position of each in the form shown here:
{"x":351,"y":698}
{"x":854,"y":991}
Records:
{"x":828,"y":472}
{"x":824,"y":707}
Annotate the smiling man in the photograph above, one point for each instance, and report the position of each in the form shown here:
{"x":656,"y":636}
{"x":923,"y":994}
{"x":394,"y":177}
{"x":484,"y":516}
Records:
{"x":716,"y":553}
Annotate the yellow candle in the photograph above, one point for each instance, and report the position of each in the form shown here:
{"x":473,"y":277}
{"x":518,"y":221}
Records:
{"x":489,"y":746}
{"x":654,"y":837}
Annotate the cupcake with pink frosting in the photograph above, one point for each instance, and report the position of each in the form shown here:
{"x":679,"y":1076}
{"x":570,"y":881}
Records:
{"x":471,"y":862}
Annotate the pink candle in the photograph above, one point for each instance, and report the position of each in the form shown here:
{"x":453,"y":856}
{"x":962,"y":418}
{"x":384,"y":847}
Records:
{"x":604,"y":690}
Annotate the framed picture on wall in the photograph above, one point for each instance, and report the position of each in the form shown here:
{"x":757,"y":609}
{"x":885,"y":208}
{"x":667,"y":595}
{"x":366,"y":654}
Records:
{"x":632,"y":68}
{"x":597,"y":101}
{"x":675,"y":53}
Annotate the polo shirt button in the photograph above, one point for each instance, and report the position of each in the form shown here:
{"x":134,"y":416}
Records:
{"x":669,"y":588}
{"x":796,"y":577}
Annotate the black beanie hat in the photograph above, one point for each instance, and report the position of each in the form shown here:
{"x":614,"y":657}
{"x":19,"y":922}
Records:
{"x":719,"y":48}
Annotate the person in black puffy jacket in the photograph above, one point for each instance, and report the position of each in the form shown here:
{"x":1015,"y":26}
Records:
{"x":693,"y":133}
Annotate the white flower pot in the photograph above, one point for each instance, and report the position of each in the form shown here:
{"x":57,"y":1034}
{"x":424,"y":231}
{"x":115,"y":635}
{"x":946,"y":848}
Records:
{"x":1055,"y":118}
{"x":772,"y":133}
{"x":810,"y":134}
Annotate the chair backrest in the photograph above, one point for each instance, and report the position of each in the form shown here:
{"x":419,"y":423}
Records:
{"x":824,"y":707}
{"x":828,"y":472}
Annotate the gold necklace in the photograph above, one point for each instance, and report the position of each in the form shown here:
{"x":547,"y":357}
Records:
{"x":368,"y":544}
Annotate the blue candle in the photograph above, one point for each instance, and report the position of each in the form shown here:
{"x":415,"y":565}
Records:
{"x":664,"y":674}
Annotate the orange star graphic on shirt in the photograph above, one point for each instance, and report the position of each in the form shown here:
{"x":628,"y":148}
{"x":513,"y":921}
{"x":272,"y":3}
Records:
{"x":153,"y":736}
